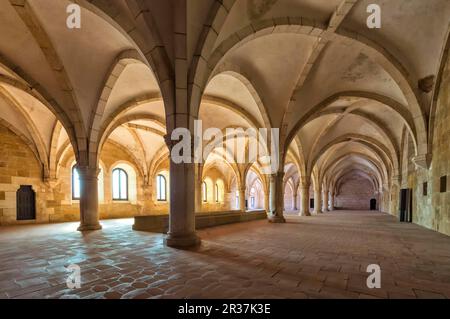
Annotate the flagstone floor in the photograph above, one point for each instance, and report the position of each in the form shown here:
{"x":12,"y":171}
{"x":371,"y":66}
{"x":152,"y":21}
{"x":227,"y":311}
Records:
{"x":323,"y":256}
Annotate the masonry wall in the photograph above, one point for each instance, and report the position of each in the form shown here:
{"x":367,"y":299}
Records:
{"x":433,"y":210}
{"x":355,"y":194}
{"x":54,"y":203}
{"x":213,"y":175}
{"x":19,"y":166}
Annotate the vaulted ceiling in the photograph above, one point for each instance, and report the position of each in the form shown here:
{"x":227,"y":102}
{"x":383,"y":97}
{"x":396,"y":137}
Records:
{"x":343,"y":95}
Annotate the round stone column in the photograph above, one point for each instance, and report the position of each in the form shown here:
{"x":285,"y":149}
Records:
{"x":325,"y":201}
{"x":89,"y":217}
{"x":242,"y":206}
{"x":317,"y":201}
{"x":277,"y":198}
{"x":332,"y":202}
{"x":304,"y":197}
{"x":182,"y":233}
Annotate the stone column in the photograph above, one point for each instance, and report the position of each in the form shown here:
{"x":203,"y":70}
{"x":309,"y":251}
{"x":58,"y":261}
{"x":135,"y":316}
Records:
{"x":148,"y":198}
{"x":317,"y":201}
{"x":198,"y":191}
{"x":242,"y":206}
{"x":267,"y":202}
{"x":304,"y":197}
{"x":89,"y":219}
{"x":325,"y":201}
{"x":277,"y":198}
{"x":182,"y":231}
{"x":332,"y":201}
{"x":178,"y":103}
{"x":295,"y":200}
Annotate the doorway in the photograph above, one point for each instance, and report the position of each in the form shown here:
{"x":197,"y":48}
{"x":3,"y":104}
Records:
{"x":373,"y":204}
{"x":26,"y":203}
{"x":406,"y":205}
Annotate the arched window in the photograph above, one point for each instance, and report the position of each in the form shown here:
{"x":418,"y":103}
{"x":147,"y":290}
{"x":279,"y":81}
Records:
{"x":76,"y":185}
{"x":161,"y":188}
{"x":120,"y":184}
{"x":205,"y":192}
{"x":252,"y":197}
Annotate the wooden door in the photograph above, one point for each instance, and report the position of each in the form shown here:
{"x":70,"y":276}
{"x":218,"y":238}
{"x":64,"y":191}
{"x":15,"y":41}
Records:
{"x":26,"y":203}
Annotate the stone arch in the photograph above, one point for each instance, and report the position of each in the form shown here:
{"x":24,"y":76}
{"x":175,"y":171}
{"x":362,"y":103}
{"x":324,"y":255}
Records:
{"x":377,"y":170}
{"x":239,"y":74}
{"x":151,"y":46}
{"x":23,"y":138}
{"x":53,"y":159}
{"x":119,"y":64}
{"x":347,"y":138}
{"x":134,"y":102}
{"x":28,"y":16}
{"x":31,"y":127}
{"x":29,"y":86}
{"x":445,"y":59}
{"x":397,"y":107}
{"x":211,"y":28}
{"x":237,"y":109}
{"x":294,"y":25}
{"x":381,"y":168}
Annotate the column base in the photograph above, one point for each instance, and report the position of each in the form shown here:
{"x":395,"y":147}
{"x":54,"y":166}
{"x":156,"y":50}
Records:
{"x":188,"y":241}
{"x":277,"y":219}
{"x":89,"y":227}
{"x":304,"y":214}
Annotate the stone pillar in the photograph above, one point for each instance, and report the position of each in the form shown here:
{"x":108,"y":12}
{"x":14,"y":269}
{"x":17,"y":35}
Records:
{"x":325,"y":201}
{"x":295,"y":201}
{"x":332,"y":201}
{"x":89,"y":219}
{"x":148,"y":198}
{"x":277,"y":198}
{"x":304,"y":197}
{"x":198,"y":191}
{"x":267,"y":202}
{"x":182,"y":232}
{"x":179,"y":104}
{"x":242,"y":206}
{"x":317,"y":201}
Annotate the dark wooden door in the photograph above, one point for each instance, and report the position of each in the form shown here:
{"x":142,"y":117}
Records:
{"x":409,"y":207}
{"x":406,"y":205}
{"x":26,"y":203}
{"x":373,"y":204}
{"x":311,"y":203}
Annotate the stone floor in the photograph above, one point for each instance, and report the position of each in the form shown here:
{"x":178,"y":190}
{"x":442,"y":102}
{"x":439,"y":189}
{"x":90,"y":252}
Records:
{"x":323,"y":256}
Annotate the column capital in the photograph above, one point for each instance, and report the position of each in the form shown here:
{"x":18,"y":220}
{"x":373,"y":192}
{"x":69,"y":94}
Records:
{"x":87,"y":172}
{"x":305,"y":181}
{"x":396,"y":180}
{"x":422,"y":161}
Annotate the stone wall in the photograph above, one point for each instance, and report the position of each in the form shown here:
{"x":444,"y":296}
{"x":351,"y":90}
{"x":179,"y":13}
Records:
{"x":19,"y":166}
{"x":212,"y":176}
{"x":433,"y":210}
{"x":54,"y":203}
{"x":355,"y":194}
